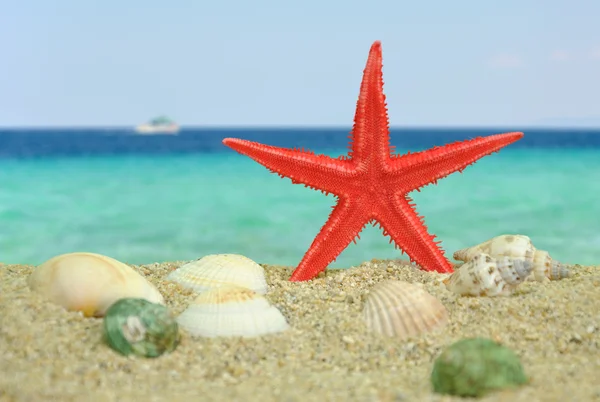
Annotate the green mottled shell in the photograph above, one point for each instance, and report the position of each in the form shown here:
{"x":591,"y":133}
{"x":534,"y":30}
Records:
{"x":473,"y":367}
{"x":136,"y":326}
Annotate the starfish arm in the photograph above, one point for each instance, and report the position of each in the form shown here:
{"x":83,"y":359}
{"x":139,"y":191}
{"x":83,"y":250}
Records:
{"x":344,"y":224}
{"x":370,"y":136}
{"x":413,"y":171}
{"x":315,"y":171}
{"x":406,"y":228}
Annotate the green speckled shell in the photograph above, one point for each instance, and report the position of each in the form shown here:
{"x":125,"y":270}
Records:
{"x":473,"y":367}
{"x":136,"y":326}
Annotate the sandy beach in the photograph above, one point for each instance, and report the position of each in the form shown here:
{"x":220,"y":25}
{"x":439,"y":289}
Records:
{"x":49,"y":354}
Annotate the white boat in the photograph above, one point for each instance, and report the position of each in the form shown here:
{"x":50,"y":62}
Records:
{"x":159,"y":125}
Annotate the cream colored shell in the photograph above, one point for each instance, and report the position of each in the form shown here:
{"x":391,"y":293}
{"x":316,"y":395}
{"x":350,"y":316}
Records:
{"x":216,"y":270}
{"x":518,"y":247}
{"x":545,"y":268}
{"x":483,"y":275}
{"x":402,"y":310}
{"x":90,"y":283}
{"x":231,"y":311}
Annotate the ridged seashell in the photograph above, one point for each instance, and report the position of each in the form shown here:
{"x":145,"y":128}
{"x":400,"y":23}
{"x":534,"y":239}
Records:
{"x":487,"y":276}
{"x":402,"y":310}
{"x":216,"y":270}
{"x":136,"y":326}
{"x":231,"y":311}
{"x":90,"y":283}
{"x":518,"y":246}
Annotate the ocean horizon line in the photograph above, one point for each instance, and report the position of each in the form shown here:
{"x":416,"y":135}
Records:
{"x":305,"y":128}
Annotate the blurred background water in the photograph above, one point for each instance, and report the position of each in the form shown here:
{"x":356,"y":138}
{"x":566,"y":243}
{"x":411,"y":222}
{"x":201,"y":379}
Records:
{"x":144,"y":199}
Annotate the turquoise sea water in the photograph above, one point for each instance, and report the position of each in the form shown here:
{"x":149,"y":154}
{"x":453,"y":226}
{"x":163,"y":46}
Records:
{"x":143,"y":209}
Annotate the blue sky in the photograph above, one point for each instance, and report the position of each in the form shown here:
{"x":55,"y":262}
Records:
{"x":272,"y":63}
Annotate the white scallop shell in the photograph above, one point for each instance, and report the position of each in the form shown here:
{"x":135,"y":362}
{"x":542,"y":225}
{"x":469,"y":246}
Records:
{"x":231,"y":311}
{"x":487,"y":276}
{"x":403,"y":310}
{"x":518,"y":247}
{"x":216,"y":270}
{"x":90,"y":283}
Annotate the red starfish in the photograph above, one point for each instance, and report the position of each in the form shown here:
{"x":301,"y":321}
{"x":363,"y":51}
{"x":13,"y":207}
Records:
{"x":370,"y":184}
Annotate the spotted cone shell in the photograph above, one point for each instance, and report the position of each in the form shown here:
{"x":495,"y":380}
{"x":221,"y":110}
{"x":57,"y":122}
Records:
{"x":403,"y":310}
{"x":518,"y":247}
{"x":487,"y":276}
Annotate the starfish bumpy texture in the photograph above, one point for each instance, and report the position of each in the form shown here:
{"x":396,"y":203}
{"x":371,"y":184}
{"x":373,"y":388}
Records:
{"x":371,"y":183}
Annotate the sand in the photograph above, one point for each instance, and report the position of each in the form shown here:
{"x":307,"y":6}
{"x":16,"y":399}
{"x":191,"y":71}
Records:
{"x":47,"y":353}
